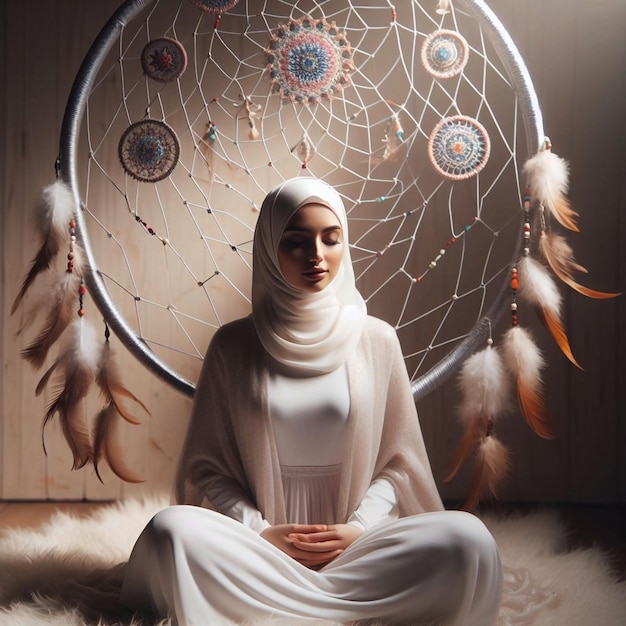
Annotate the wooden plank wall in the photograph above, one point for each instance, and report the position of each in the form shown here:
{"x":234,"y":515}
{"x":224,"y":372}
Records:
{"x":576,"y":55}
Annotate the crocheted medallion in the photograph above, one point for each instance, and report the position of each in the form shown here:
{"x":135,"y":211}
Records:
{"x":458,"y":147}
{"x":149,"y":150}
{"x":214,"y":6}
{"x":164,"y":59}
{"x":444,"y":53}
{"x":308,"y":60}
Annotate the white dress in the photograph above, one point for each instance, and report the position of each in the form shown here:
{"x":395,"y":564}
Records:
{"x":204,"y":568}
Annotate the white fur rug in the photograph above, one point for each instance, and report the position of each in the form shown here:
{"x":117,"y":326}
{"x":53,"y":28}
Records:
{"x":71,"y":561}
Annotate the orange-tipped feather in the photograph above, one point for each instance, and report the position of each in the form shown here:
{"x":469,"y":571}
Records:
{"x":68,"y":404}
{"x":534,"y":411}
{"x":107,"y":446}
{"x":112,"y":388}
{"x":555,"y":328}
{"x":525,"y":362}
{"x":548,"y":178}
{"x":466,"y":447}
{"x":560,"y":257}
{"x":564,"y":214}
{"x":538,"y":288}
{"x":60,"y":314}
{"x":491,"y":468}
{"x":77,"y":367}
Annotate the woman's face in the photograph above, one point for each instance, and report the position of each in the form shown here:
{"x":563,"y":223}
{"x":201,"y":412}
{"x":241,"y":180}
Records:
{"x":311,"y":248}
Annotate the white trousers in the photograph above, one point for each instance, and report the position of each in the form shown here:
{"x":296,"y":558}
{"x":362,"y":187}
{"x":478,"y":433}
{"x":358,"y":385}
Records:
{"x":202,"y":568}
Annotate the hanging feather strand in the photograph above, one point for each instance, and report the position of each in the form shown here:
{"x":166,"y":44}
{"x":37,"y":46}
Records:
{"x":61,"y":309}
{"x":539,"y":289}
{"x":467,"y":446}
{"x":81,"y":361}
{"x":491,"y":467}
{"x":484,"y":389}
{"x":560,"y":257}
{"x":106,"y":436}
{"x":53,"y":214}
{"x":78,"y":363}
{"x":548,"y":178}
{"x":106,"y":445}
{"x":525,"y":363}
{"x":112,"y":388}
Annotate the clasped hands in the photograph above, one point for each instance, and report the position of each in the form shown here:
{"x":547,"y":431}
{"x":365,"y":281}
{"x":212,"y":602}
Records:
{"x":313,"y":545}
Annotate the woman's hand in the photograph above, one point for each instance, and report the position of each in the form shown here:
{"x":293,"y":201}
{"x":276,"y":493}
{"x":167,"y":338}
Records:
{"x":333,"y":539}
{"x":286,"y":536}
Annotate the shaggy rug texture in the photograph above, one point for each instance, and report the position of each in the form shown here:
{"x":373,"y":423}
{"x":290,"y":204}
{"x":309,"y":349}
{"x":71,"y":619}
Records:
{"x":68,"y":572}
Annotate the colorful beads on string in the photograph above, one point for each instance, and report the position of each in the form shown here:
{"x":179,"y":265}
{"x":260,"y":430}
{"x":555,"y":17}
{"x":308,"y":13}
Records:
{"x":145,"y":225}
{"x":398,"y":131}
{"x":211,"y":131}
{"x":81,"y":293}
{"x":514,"y":288}
{"x":527,"y":199}
{"x":514,"y":280}
{"x":70,"y":254}
{"x":433,"y":264}
{"x":150,"y":230}
{"x":526,"y":202}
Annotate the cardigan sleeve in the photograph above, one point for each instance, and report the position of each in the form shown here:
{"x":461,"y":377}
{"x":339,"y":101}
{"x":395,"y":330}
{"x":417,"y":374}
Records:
{"x":210,"y":471}
{"x":229,"y":500}
{"x":379,"y":504}
{"x":406,"y":465}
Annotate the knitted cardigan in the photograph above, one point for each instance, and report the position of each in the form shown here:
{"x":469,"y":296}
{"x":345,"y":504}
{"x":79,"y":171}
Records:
{"x":230,"y":440}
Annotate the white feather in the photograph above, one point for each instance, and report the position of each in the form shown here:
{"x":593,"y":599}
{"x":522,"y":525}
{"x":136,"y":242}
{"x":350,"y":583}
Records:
{"x":89,"y":344}
{"x":522,"y":357}
{"x":537,"y":287}
{"x":484,"y":386}
{"x":81,"y":343}
{"x":57,"y":207}
{"x":548,"y":176}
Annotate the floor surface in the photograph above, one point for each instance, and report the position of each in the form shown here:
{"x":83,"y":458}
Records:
{"x":601,"y":526}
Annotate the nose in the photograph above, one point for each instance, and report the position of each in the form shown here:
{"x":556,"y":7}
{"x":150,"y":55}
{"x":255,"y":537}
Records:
{"x":315,"y":253}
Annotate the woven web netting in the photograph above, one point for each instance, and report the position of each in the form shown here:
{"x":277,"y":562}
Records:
{"x":193,"y":115}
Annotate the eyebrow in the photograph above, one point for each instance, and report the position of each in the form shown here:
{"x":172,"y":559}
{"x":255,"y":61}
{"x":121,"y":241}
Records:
{"x":302,"y":229}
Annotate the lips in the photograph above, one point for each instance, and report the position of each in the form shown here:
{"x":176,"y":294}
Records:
{"x":316,"y":274}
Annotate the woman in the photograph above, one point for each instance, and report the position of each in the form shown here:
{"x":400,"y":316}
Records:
{"x":305,"y":443}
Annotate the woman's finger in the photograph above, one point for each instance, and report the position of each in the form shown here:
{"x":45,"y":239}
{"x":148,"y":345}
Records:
{"x":319,"y":546}
{"x":315,"y":537}
{"x":319,"y":562}
{"x":307,"y":529}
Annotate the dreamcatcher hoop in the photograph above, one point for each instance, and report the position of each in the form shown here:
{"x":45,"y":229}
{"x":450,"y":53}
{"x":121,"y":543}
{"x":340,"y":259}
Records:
{"x":75,"y":111}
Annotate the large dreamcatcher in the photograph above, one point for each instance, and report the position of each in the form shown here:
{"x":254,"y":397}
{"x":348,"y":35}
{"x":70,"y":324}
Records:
{"x":186,"y":112}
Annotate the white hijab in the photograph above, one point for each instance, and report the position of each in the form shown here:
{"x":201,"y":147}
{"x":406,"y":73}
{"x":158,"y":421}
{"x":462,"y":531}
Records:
{"x":308,"y":333}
